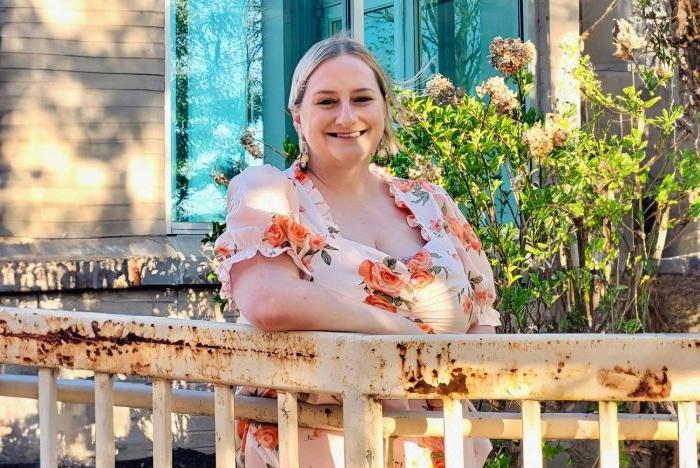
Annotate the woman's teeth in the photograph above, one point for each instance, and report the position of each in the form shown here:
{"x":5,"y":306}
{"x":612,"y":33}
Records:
{"x":348,"y":135}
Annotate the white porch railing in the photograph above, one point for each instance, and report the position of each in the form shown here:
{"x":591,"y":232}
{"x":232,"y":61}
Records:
{"x":364,"y":369}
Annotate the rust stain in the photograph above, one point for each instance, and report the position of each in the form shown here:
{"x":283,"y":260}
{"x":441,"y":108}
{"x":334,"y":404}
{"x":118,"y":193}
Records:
{"x":456,"y":384}
{"x":417,"y":378}
{"x":637,"y":383}
{"x":98,"y":343}
{"x":560,"y":366}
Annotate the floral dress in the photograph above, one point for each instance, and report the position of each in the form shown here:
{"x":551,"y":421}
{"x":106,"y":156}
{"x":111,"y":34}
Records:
{"x":446,"y":287}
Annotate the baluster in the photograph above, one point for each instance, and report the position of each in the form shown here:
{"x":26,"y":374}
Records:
{"x":389,"y":451}
{"x":288,"y":427}
{"x":104,"y":421}
{"x":224,"y":426}
{"x":687,"y":434}
{"x":532,"y":434}
{"x":454,"y":430}
{"x":162,"y":423}
{"x":608,"y":433}
{"x":48,"y":415}
{"x":362,"y":429}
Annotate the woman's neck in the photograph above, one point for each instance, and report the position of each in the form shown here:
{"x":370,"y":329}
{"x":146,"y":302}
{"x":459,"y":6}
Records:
{"x":354,"y":182}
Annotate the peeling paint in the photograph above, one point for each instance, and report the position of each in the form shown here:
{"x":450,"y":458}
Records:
{"x":126,"y":335}
{"x":424,"y":381}
{"x":644,"y":383}
{"x":456,"y":385}
{"x":517,"y":367}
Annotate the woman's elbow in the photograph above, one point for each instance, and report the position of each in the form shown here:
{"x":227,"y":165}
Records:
{"x":263,"y":313}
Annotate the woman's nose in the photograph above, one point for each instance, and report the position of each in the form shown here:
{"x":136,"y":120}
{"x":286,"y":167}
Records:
{"x":345,"y":115}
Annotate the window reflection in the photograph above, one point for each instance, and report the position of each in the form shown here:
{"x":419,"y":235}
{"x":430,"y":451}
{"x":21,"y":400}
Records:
{"x":218,"y":93}
{"x":379,"y":37}
{"x":455,"y":36}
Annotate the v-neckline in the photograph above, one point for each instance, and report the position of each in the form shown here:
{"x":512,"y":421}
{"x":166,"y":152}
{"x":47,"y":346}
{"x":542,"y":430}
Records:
{"x":412,"y":219}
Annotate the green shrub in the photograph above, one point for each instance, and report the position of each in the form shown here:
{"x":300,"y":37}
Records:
{"x":573,"y":217}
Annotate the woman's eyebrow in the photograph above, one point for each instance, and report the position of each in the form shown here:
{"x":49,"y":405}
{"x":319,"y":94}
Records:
{"x":358,"y":90}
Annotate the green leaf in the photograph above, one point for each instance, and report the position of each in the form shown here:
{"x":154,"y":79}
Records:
{"x":325,"y":256}
{"x":651,"y":102}
{"x":694,"y":210}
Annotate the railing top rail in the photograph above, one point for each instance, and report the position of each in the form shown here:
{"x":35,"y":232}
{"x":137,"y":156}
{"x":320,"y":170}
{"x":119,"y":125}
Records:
{"x":535,"y":367}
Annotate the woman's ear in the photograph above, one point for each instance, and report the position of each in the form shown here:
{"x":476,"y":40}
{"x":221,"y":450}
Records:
{"x":295,"y":116}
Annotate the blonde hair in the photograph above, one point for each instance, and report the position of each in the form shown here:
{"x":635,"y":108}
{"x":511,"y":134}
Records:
{"x":336,"y":46}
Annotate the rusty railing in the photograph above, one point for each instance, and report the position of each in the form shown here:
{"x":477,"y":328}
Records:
{"x":363,"y":369}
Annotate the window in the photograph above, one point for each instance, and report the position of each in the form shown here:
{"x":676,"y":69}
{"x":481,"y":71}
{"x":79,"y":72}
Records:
{"x":455,"y":36}
{"x":380,"y":37}
{"x":232,"y":62}
{"x":217,"y":94}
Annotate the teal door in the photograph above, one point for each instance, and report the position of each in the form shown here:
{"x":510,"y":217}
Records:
{"x":385,"y":33}
{"x":333,"y":17}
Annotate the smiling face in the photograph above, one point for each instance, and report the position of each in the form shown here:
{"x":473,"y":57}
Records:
{"x":342,"y":114}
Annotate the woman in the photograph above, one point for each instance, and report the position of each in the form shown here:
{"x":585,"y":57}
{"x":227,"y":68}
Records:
{"x":386,"y":255}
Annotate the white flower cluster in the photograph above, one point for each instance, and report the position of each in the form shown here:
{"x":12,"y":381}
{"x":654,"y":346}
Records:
{"x":541,"y":140}
{"x":501,"y":96}
{"x":627,"y":41}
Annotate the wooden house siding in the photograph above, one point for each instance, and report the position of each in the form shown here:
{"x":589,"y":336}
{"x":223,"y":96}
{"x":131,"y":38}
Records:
{"x":81,"y":118}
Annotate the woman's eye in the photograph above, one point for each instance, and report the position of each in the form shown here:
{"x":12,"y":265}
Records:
{"x":325,"y":102}
{"x":363,"y":99}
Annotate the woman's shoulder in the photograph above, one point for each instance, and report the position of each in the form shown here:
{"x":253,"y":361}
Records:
{"x":266,"y":173}
{"x":266,"y":177}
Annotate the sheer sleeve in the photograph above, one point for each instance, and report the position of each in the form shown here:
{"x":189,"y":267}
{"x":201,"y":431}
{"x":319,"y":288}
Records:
{"x":476,"y":264}
{"x":263,"y":214}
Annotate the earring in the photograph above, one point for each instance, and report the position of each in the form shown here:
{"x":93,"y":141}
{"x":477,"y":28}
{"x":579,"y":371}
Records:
{"x":381,"y":150}
{"x":303,"y":153}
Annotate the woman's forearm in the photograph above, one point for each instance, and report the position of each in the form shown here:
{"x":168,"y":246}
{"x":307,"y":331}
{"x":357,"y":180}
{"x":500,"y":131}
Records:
{"x":481,"y":329}
{"x":299,"y":305}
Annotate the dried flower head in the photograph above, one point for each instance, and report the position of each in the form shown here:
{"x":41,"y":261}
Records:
{"x":663,"y":70}
{"x":248,"y":142}
{"x":556,"y":128}
{"x":502,"y":98}
{"x":511,"y":55}
{"x":424,"y":167}
{"x":219,"y":178}
{"x":538,"y":140}
{"x":559,"y":137}
{"x":626,"y":41}
{"x":443,"y":91}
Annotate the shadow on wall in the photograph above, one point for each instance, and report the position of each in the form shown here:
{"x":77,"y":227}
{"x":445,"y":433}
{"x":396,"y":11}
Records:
{"x":191,"y":303}
{"x":133,"y":429}
{"x":81,"y":120}
{"x":19,"y":441}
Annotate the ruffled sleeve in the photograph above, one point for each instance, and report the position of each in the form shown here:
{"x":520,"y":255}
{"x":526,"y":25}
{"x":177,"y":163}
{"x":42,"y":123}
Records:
{"x":476,"y":264}
{"x":263,"y":214}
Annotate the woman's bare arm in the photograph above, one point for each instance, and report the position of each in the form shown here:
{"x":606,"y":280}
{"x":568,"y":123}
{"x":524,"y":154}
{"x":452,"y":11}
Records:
{"x":270,"y":294}
{"x":481,"y":329}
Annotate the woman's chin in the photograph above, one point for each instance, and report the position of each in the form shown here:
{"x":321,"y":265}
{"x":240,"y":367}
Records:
{"x":351,"y":157}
